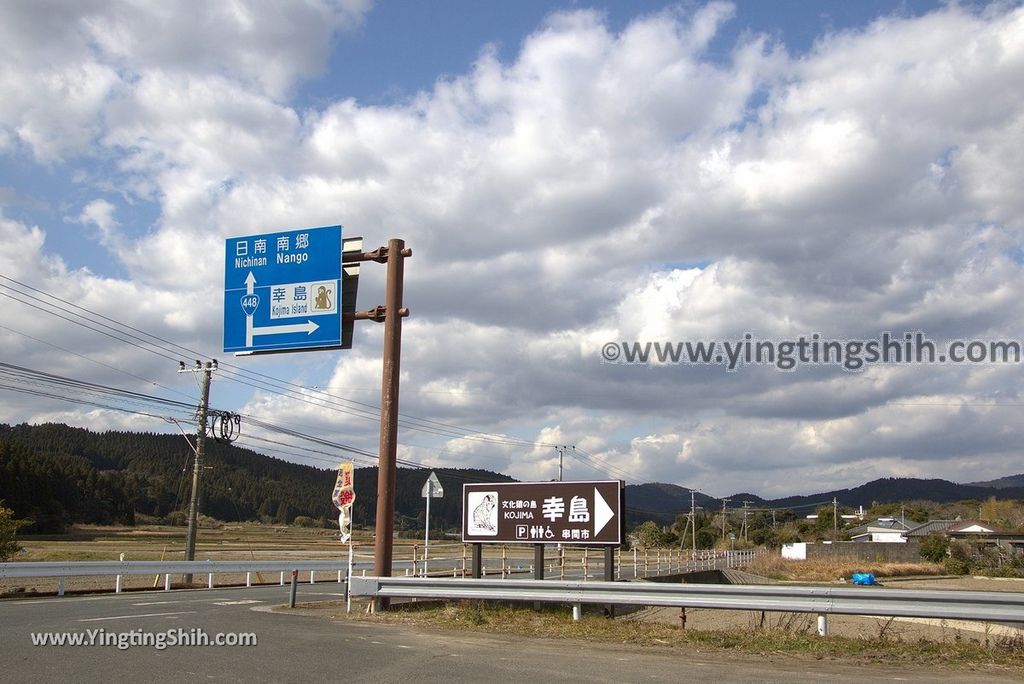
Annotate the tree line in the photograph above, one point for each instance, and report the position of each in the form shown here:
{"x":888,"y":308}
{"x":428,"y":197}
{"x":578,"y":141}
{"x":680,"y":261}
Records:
{"x":55,"y":475}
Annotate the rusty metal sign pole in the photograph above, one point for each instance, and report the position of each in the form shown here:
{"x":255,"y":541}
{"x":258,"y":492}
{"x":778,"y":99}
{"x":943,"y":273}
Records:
{"x":391,"y":314}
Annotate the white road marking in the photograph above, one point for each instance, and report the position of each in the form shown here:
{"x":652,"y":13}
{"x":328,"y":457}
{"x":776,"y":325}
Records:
{"x":236,"y":603}
{"x":155,"y":603}
{"x":126,"y":617}
{"x":40,"y":600}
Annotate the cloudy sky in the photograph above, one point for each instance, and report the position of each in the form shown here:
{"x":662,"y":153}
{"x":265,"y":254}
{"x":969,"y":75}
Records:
{"x":567,"y":174}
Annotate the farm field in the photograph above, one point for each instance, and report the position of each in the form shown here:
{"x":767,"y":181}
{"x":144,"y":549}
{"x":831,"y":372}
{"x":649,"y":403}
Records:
{"x":156,"y":542}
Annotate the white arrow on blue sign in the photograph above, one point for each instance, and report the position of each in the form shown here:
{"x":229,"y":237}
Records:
{"x":282,"y":291}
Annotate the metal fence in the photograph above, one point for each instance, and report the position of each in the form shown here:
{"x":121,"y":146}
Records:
{"x":120,"y":569}
{"x":566,"y":562}
{"x":449,"y":560}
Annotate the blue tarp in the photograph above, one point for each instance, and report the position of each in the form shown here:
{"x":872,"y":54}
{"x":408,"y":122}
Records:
{"x":865,"y":578}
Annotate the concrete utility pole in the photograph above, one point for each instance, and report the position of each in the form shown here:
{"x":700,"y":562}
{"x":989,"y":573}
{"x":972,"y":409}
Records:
{"x":561,"y":453}
{"x":724,"y":501}
{"x":835,"y":519}
{"x":204,"y":409}
{"x":693,"y":519}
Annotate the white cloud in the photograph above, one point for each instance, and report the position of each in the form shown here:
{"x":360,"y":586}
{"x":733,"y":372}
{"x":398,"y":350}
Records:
{"x":264,"y":43}
{"x":600,"y":186}
{"x":61,"y":67}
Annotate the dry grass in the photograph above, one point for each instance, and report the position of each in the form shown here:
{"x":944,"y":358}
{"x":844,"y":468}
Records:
{"x":790,"y":637}
{"x":833,"y":570}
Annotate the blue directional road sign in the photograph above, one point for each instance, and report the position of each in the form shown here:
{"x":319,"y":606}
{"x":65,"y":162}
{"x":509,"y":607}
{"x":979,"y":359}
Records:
{"x":282,"y":291}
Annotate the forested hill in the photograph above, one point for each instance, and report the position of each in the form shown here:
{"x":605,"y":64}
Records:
{"x":57,"y":475}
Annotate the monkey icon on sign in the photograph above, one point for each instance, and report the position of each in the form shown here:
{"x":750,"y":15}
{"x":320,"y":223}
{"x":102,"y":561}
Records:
{"x":323,"y":299}
{"x":483,"y":508}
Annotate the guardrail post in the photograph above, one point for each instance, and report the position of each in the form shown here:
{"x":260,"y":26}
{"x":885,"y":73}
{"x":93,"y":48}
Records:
{"x":294,"y":587}
{"x":282,"y":578}
{"x":60,"y":586}
{"x":117,"y":585}
{"x":209,"y":580}
{"x":538,"y":568}
{"x":478,"y":560}
{"x":822,"y":625}
{"x":577,"y":611}
{"x":167,"y":581}
{"x":248,"y":579}
{"x":312,"y":576}
{"x":609,"y":575}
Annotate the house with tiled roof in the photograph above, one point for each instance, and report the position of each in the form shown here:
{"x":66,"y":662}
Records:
{"x":930,"y":527}
{"x":883,"y":530}
{"x":974,"y":531}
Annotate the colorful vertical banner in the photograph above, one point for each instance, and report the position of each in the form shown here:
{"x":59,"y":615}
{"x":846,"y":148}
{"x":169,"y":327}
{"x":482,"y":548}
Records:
{"x":344,"y":492}
{"x":343,"y":496}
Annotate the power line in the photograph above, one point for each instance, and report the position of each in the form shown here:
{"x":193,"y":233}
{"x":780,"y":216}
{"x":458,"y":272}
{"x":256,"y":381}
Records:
{"x":126,"y":333}
{"x":50,"y":385}
{"x":91,"y":360}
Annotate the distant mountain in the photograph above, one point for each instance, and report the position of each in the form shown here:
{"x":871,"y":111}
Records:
{"x":754,"y":499}
{"x":895,"y":489}
{"x":662,"y":502}
{"x":57,"y":475}
{"x":1010,"y":481}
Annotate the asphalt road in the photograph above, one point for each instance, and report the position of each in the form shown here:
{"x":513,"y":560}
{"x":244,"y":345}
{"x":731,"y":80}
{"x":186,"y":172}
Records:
{"x":300,"y":648}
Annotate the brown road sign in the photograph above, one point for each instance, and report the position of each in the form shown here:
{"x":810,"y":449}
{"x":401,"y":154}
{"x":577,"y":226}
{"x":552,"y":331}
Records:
{"x":577,"y":512}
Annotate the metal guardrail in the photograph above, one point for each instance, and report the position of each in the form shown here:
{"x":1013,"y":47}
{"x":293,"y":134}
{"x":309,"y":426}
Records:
{"x":91,"y":568}
{"x":955,"y":605}
{"x":119,"y":569}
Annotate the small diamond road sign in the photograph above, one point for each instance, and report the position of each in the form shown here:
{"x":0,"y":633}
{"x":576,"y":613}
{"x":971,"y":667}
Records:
{"x":282,"y":291}
{"x":573,"y":512}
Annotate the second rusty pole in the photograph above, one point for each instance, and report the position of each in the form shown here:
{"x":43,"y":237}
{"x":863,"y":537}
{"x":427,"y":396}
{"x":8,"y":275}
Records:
{"x":385,"y":521}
